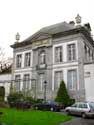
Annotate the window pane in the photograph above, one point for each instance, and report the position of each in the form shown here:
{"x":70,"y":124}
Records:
{"x":58,"y":79}
{"x":69,"y":84}
{"x":58,"y":54}
{"x":26,"y":82}
{"x":81,"y":106}
{"x":74,"y":105}
{"x":42,"y":57}
{"x":41,"y":82}
{"x":90,"y":55}
{"x":18,"y":61}
{"x":17,"y":82}
{"x":72,"y":79}
{"x":85,"y":106}
{"x":27,"y":59}
{"x":71,"y":52}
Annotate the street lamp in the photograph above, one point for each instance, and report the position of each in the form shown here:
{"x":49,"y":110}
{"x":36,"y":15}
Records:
{"x":45,"y":84}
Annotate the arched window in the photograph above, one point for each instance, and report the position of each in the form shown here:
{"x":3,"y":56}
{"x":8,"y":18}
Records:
{"x":42,"y":57}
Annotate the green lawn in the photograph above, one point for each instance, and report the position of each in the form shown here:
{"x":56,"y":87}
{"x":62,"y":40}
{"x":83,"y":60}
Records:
{"x":31,"y":117}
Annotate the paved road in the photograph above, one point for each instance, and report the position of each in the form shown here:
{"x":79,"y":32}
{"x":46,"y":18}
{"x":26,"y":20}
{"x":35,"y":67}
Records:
{"x":80,"y":121}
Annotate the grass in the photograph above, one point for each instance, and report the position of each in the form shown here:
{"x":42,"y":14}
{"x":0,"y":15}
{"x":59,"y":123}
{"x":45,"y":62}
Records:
{"x":31,"y":117}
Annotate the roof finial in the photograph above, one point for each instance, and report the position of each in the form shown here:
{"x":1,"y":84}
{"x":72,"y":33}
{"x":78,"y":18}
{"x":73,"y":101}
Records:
{"x":17,"y":37}
{"x":78,"y":19}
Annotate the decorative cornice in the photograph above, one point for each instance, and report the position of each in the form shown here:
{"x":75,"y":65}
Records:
{"x":76,"y":30}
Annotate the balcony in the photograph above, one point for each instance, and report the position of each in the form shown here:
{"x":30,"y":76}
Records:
{"x":41,"y":66}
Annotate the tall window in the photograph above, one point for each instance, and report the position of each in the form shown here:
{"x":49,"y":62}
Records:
{"x":58,"y":78}
{"x":85,"y":51}
{"x":71,"y":52}
{"x":42,"y":57}
{"x":17,"y":82}
{"x":41,"y":81}
{"x":72,"y":79}
{"x":90,"y":55}
{"x":27,"y":59}
{"x":18,"y":61}
{"x":26,"y":82}
{"x":58,"y":54}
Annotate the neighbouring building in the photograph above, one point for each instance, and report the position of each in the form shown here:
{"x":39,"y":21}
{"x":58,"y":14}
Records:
{"x":63,"y":51}
{"x":5,"y":79}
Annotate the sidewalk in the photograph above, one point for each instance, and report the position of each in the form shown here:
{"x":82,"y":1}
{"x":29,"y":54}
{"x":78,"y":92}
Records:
{"x":75,"y":121}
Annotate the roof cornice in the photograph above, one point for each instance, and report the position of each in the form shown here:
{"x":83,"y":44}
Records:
{"x":76,"y":30}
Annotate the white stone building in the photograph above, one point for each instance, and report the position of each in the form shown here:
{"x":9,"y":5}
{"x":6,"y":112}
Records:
{"x":5,"y":80}
{"x":63,"y":51}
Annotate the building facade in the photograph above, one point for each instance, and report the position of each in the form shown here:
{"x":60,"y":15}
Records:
{"x":5,"y":79}
{"x":54,"y":53}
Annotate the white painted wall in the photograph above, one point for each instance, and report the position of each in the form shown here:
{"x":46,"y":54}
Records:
{"x":6,"y":84}
{"x":89,"y":81}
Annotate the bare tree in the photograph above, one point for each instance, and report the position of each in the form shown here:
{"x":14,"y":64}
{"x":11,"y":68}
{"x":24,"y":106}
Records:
{"x":2,"y":54}
{"x":4,"y":62}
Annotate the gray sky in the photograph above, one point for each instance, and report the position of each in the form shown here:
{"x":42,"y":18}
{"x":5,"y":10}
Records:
{"x":28,"y":16}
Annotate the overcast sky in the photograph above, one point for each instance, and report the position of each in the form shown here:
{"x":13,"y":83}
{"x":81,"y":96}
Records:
{"x":28,"y":16}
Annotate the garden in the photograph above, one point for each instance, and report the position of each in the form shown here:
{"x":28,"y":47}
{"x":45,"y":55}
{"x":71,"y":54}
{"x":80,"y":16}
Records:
{"x":18,"y":110}
{"x":31,"y":117}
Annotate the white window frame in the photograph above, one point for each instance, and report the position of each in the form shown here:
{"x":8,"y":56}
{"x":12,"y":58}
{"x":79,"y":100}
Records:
{"x":19,"y":61}
{"x":27,"y":82}
{"x":72,"y":52}
{"x":18,"y":82}
{"x":41,"y":79}
{"x":58,"y":52}
{"x":42,"y":57}
{"x":53,"y":77}
{"x":76,"y":86}
{"x":27,"y":60}
{"x":59,"y":73}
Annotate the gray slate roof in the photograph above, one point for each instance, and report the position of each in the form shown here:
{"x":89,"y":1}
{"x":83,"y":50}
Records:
{"x":59,"y":28}
{"x":56,"y":28}
{"x":53,"y":29}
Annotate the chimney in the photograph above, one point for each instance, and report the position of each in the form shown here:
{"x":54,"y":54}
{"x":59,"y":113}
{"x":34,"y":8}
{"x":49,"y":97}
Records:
{"x":72,"y":23}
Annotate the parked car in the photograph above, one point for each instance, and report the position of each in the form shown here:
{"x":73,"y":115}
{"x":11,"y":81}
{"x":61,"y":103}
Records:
{"x":49,"y":105}
{"x":84,"y":109}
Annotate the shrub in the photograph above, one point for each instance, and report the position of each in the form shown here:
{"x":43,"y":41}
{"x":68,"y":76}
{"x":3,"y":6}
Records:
{"x":14,"y":97}
{"x":4,"y":104}
{"x":20,"y":101}
{"x":62,"y":95}
{"x":32,"y":100}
